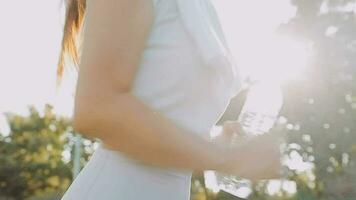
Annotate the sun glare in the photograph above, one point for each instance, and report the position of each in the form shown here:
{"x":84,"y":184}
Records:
{"x":261,"y":55}
{"x":276,"y":59}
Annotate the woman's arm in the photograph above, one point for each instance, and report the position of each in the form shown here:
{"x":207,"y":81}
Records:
{"x":114,"y":39}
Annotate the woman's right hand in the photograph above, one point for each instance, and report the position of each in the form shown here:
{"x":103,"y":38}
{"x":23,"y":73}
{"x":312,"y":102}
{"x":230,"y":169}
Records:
{"x":256,"y":158}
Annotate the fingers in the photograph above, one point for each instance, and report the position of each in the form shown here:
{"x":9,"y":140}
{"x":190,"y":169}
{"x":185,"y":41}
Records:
{"x":233,"y":132}
{"x":265,"y":160}
{"x":232,"y":127}
{"x":257,"y":158}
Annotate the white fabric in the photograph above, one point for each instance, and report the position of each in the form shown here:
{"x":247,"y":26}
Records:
{"x":174,"y":80}
{"x":201,"y":22}
{"x":196,"y":17}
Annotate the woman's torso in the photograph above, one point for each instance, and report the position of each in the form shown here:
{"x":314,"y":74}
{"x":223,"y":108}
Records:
{"x":172,"y":80}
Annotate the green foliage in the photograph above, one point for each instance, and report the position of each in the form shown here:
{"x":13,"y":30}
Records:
{"x":321,"y":110}
{"x":31,"y":156}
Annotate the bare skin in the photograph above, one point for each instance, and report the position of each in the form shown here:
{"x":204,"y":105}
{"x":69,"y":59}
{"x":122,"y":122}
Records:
{"x":105,"y":108}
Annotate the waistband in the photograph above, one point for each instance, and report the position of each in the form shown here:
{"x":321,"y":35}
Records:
{"x":124,"y":158}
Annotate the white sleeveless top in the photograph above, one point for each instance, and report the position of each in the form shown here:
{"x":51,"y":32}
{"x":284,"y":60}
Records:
{"x":172,"y":79}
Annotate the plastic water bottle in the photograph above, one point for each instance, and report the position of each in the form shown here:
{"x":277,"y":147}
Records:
{"x":261,"y":109}
{"x":258,"y":115}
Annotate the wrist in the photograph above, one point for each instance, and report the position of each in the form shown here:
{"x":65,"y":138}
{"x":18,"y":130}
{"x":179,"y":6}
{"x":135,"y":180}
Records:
{"x":221,"y":153}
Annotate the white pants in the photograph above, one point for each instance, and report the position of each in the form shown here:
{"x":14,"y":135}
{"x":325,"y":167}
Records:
{"x":110,"y":175}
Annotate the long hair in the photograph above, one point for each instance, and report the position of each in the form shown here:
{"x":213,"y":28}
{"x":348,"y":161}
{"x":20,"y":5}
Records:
{"x":70,"y":49}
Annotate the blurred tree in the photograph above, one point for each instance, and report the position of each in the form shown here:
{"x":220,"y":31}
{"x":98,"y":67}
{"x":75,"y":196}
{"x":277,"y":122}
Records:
{"x":33,"y":160}
{"x":319,"y":112}
{"x":321,"y":109}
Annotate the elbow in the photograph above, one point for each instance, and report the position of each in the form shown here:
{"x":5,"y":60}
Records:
{"x":93,"y":121}
{"x":79,"y":125}
{"x":82,"y":126}
{"x":83,"y":120}
{"x":94,"y":117}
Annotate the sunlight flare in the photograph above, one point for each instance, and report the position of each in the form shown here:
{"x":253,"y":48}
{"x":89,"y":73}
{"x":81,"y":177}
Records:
{"x":275,"y":59}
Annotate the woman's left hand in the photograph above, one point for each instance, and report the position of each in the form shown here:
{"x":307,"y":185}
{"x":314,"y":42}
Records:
{"x":230,"y":130}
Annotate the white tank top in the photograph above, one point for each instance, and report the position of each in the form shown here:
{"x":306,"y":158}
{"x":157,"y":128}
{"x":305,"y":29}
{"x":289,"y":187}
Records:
{"x":173,"y":79}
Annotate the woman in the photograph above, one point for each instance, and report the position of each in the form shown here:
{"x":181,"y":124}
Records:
{"x":155,"y":76}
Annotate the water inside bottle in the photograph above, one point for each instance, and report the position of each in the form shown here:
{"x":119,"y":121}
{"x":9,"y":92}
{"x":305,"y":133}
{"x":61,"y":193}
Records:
{"x":257,"y":117}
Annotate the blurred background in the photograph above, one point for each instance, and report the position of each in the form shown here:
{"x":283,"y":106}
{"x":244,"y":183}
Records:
{"x":306,"y":47}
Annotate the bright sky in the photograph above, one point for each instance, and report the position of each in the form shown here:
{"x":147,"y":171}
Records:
{"x":30,"y":40}
{"x":31,"y":35}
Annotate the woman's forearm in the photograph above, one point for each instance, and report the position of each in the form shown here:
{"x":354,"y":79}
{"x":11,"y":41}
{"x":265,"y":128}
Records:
{"x":125,"y":123}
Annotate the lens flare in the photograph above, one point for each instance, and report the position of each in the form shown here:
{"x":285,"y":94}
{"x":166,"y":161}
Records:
{"x":275,"y":59}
